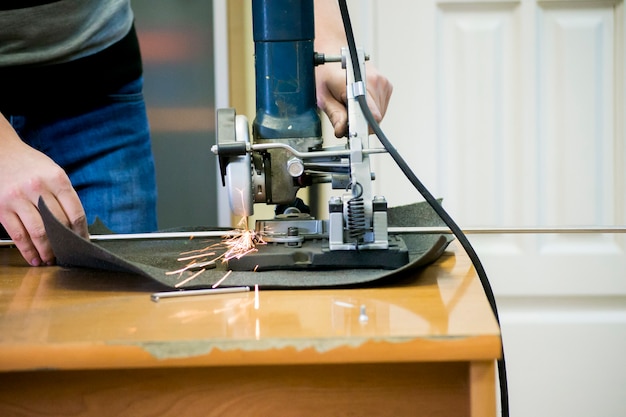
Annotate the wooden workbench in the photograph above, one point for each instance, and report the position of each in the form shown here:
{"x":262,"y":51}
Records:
{"x":82,"y":342}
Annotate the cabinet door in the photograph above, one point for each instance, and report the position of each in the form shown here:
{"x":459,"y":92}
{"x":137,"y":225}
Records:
{"x":513,"y":113}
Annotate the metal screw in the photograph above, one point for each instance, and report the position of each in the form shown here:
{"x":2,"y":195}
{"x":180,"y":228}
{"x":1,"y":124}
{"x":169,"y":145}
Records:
{"x":363,"y":315}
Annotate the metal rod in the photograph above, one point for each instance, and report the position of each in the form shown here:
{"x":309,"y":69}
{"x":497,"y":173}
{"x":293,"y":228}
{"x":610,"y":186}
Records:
{"x":187,"y":293}
{"x":313,"y":154}
{"x":514,"y":230}
{"x":165,"y":235}
{"x":417,"y":229}
{"x":154,"y":235}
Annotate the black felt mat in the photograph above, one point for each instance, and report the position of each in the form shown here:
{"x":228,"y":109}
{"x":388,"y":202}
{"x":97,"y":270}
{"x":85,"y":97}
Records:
{"x":153,"y":258}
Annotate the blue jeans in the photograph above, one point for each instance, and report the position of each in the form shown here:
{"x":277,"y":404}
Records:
{"x":107,"y":154}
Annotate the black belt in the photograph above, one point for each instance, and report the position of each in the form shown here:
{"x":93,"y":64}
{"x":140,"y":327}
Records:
{"x":23,"y":4}
{"x":70,"y":86}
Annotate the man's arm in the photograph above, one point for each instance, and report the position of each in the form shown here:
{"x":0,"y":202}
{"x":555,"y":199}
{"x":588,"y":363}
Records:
{"x":330,"y":78}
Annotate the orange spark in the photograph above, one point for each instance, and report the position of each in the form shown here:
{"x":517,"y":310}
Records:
{"x":236,"y":245}
{"x":222,"y":279}
{"x":189,"y":279}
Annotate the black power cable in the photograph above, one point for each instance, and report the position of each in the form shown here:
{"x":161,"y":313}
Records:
{"x":432,"y":201}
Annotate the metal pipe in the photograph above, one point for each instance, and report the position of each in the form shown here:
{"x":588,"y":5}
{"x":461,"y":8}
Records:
{"x":187,"y":293}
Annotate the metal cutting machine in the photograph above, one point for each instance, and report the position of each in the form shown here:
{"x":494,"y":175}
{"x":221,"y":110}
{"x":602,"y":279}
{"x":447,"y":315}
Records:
{"x":282,"y":152}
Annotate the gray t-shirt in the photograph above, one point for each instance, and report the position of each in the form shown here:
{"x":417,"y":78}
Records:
{"x":61,"y":31}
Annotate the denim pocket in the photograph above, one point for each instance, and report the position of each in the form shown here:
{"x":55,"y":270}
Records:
{"x":130,"y":92}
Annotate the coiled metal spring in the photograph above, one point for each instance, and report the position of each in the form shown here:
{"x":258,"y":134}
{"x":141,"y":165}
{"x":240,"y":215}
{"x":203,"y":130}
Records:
{"x":356,"y":221}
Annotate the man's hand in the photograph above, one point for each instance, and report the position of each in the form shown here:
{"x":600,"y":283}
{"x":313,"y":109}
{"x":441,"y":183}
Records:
{"x":332,"y":98}
{"x":25,"y":175}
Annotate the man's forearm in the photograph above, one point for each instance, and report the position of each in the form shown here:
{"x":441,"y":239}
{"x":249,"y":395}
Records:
{"x":329,"y":33}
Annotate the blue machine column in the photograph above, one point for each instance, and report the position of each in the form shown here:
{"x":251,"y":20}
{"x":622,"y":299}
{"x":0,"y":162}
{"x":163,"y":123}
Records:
{"x":284,"y":34}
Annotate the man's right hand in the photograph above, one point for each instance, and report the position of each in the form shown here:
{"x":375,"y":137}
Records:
{"x":26,"y":175}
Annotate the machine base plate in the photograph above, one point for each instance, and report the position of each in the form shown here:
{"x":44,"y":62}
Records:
{"x":314,"y":254}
